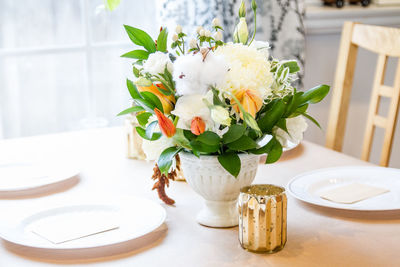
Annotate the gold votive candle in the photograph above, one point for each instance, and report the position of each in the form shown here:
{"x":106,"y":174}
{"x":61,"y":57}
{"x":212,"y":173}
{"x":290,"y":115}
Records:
{"x":134,"y":141}
{"x":262,"y":218}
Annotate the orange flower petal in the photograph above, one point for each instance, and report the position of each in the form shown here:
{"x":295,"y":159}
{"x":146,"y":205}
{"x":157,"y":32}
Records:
{"x":167,"y":127}
{"x":197,"y":126}
{"x":167,"y":101}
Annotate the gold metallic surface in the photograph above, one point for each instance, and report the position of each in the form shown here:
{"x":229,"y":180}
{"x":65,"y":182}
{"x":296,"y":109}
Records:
{"x":262,"y":218}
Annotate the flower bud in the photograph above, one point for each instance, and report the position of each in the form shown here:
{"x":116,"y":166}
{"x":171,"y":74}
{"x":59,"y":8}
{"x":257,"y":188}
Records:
{"x":242,"y":31}
{"x":220,"y":115}
{"x":199,"y":28}
{"x":218,"y":36}
{"x":242,"y":10}
{"x":207,"y":33}
{"x":202,"y":32}
{"x":250,"y":100}
{"x":178,"y":29}
{"x":197,"y":126}
{"x":174,"y":37}
{"x":216,"y":22}
{"x":193,"y":43}
{"x":253,"y":5}
{"x":167,"y":127}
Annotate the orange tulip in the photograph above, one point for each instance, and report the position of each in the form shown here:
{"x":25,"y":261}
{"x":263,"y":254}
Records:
{"x":197,"y":126}
{"x":166,"y":125}
{"x":167,"y":101}
{"x":250,"y":100}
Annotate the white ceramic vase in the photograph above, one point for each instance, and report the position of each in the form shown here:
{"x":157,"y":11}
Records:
{"x":217,"y":186}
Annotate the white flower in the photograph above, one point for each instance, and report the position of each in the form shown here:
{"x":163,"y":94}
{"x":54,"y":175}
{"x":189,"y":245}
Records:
{"x":207,"y":33}
{"x":174,"y":37}
{"x":216,"y":22}
{"x":193,"y":43}
{"x":202,"y":32}
{"x":178,"y":29}
{"x":189,"y":106}
{"x":199,"y":28}
{"x":193,"y":75}
{"x":296,"y":127}
{"x":153,"y":149}
{"x":218,"y":36}
{"x":263,"y":47}
{"x":249,"y":69}
{"x":220,"y":115}
{"x":156,"y":63}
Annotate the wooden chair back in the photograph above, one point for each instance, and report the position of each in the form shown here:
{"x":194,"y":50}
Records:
{"x":386,"y":43}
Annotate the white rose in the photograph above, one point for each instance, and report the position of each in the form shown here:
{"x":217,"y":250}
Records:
{"x":216,"y":22}
{"x":263,"y":47}
{"x":193,"y":43}
{"x":220,"y":115}
{"x":174,"y":37}
{"x":156,"y":63}
{"x":199,"y":28}
{"x":296,"y":127}
{"x":189,"y":106}
{"x":207,"y":33}
{"x":178,"y":29}
{"x":202,"y":32}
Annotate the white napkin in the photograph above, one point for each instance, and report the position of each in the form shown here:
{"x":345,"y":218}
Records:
{"x":66,"y":227}
{"x":352,"y":193}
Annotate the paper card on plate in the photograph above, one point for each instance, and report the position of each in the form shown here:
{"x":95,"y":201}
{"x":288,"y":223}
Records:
{"x":75,"y":225}
{"x":352,"y":193}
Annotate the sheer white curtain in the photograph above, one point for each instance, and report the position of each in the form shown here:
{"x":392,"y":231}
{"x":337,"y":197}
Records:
{"x":59,"y":63}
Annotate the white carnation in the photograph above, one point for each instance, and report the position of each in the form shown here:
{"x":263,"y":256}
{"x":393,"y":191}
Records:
{"x":262,"y":47}
{"x":194,"y":76}
{"x":156,"y":63}
{"x":296,"y":127}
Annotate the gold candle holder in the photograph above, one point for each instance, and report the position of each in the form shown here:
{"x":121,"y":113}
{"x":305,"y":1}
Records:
{"x":134,"y":141}
{"x":262,"y":218}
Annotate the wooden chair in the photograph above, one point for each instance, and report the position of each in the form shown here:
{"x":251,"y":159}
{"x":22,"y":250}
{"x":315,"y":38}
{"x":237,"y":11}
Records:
{"x":386,"y":43}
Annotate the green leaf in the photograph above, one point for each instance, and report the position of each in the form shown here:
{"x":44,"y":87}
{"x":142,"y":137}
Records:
{"x":242,"y":144}
{"x":143,"y":118}
{"x":137,"y":54}
{"x":152,"y":98}
{"x":150,"y":134}
{"x":271,"y":117}
{"x":315,"y":95}
{"x":146,"y":104}
{"x":142,"y":133}
{"x":231,"y":162}
{"x":234,"y":133}
{"x":136,"y":71}
{"x":180,"y":139}
{"x":204,"y":148}
{"x":111,"y":4}
{"x":251,"y":122}
{"x":130,"y":110}
{"x":133,"y":91}
{"x":189,"y":135}
{"x":141,"y":38}
{"x":209,"y":138}
{"x":166,"y":158}
{"x":274,"y":151}
{"x":311,"y":119}
{"x":292,"y":65}
{"x":282,"y":124}
{"x":162,"y":40}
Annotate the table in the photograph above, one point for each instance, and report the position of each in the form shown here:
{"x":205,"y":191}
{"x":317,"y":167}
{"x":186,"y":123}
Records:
{"x":316,"y":236}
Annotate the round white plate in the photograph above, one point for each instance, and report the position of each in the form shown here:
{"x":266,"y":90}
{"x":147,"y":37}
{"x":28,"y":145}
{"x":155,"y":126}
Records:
{"x":135,"y":217}
{"x":25,"y":178}
{"x":308,"y":186}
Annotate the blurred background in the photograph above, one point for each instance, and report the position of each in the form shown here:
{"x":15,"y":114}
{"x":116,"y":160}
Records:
{"x":60,"y":65}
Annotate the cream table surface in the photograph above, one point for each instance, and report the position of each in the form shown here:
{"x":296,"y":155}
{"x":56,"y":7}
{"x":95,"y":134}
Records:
{"x":316,"y":236}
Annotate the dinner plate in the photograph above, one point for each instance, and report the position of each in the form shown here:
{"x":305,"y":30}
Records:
{"x":26,"y":178}
{"x":134,"y":216}
{"x":308,"y":186}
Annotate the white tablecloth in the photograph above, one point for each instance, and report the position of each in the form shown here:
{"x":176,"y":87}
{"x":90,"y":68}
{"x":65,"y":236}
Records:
{"x":316,"y":236}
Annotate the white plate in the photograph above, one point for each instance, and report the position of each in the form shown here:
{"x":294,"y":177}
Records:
{"x":135,"y":216}
{"x":308,"y":186}
{"x":25,"y":178}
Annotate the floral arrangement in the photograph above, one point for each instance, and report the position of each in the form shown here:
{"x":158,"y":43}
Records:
{"x":210,"y":97}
